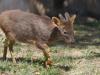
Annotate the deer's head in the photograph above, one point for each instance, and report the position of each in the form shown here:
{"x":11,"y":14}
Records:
{"x":66,"y":26}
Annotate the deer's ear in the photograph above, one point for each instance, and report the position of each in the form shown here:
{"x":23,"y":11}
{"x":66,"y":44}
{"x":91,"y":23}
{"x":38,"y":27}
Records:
{"x":72,"y":19}
{"x":56,"y":20}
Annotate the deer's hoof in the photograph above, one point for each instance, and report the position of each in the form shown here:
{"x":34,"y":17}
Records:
{"x":48,"y":63}
{"x":4,"y":58}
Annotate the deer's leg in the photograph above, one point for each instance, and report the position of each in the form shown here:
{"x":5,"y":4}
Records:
{"x":11,"y":43}
{"x":6,"y":42}
{"x":46,"y":50}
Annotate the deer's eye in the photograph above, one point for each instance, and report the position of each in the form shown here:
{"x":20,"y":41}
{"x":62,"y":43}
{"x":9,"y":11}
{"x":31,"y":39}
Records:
{"x":65,"y":32}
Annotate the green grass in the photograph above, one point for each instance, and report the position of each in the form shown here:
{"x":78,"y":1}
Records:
{"x":81,"y":59}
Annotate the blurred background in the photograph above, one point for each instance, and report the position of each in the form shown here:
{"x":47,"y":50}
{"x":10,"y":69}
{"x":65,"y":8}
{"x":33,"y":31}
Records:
{"x":86,"y":10}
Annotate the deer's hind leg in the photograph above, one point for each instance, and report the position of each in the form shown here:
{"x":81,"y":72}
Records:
{"x":6,"y":43}
{"x":11,"y":43}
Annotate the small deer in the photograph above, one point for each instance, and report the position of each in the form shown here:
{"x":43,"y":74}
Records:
{"x":30,"y":28}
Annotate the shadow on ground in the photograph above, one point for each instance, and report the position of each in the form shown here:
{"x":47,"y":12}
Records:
{"x":87,"y":35}
{"x":37,"y":61}
{"x":60,"y":66}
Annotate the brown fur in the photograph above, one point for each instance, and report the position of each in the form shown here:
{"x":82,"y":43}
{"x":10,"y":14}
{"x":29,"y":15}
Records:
{"x":30,"y":28}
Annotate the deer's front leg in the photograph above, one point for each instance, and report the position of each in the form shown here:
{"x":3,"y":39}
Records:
{"x":46,"y":51}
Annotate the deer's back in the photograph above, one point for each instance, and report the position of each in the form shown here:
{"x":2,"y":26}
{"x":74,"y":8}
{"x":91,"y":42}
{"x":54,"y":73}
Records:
{"x":26,"y":26}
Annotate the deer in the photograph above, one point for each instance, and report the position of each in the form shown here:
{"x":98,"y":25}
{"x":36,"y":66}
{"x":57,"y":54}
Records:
{"x":30,"y":28}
